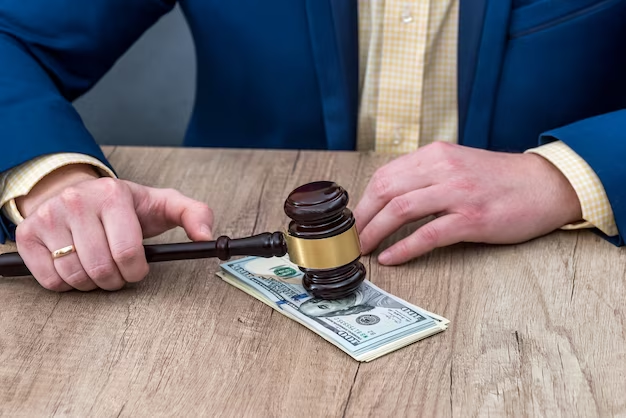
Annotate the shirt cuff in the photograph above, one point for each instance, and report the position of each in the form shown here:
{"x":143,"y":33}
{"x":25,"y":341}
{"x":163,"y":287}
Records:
{"x":20,"y":180}
{"x":595,"y":205}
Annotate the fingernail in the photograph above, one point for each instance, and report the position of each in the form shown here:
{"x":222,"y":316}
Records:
{"x":385,"y":257}
{"x":206,"y":231}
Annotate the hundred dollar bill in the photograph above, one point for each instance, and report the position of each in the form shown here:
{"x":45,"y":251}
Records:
{"x":366,"y":325}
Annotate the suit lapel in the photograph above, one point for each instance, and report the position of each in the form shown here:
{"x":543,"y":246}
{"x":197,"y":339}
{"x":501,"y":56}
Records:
{"x":471,"y":22}
{"x":333,"y":27}
{"x":483,"y":26}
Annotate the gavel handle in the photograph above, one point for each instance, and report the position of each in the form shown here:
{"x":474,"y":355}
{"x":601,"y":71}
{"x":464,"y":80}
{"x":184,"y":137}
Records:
{"x":263,"y":245}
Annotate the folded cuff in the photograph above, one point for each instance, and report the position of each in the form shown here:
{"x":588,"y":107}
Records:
{"x":595,"y":205}
{"x":20,"y":180}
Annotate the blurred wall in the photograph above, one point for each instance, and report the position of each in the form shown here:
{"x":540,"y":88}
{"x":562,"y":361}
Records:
{"x":146,"y":98}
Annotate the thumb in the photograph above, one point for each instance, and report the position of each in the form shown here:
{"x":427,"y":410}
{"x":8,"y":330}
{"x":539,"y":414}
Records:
{"x":159,"y":210}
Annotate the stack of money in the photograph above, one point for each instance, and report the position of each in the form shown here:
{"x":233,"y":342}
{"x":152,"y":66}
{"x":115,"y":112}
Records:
{"x":366,"y":325}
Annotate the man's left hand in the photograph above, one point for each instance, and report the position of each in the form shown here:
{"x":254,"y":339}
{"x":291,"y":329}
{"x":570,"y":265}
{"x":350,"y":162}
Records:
{"x":475,"y":196}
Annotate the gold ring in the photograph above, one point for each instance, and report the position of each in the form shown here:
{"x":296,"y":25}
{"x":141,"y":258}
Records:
{"x":63,"y":251}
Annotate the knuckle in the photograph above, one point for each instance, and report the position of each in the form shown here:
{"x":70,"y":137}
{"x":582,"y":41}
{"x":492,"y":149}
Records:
{"x":472,"y":213}
{"x":78,"y":279}
{"x":440,"y":148}
{"x":72,"y":199}
{"x":382,"y":171}
{"x":173,"y":193}
{"x":27,"y":248}
{"x":165,"y":195}
{"x":109,"y":185}
{"x":403,"y":250}
{"x":445,"y":155}
{"x":25,"y":235}
{"x":401,"y":207}
{"x":100,"y":272}
{"x":381,"y":185}
{"x":430,"y":235}
{"x":204,"y":211}
{"x":203,"y":208}
{"x":452,"y":164}
{"x":46,"y":218}
{"x":126,"y":254}
{"x":112,"y":189}
{"x":113,"y":286}
{"x":53,"y":283}
{"x":104,"y":275}
{"x":463,"y":184}
{"x":142,"y":272}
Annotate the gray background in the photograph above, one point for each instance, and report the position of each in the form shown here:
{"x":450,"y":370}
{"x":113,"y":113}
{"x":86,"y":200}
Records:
{"x":146,"y":98}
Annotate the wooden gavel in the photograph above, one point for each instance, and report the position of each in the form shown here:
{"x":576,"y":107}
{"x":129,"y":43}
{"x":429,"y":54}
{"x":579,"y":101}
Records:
{"x":321,"y":239}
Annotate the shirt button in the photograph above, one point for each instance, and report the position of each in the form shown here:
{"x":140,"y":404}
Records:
{"x":397,"y":138}
{"x":407,"y":17}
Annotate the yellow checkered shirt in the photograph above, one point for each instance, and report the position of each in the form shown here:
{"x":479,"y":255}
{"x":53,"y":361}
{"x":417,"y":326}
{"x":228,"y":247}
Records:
{"x":408,"y":98}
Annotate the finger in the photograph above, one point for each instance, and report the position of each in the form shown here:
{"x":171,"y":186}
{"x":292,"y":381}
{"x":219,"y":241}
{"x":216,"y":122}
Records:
{"x":195,"y":217}
{"x":69,"y":267}
{"x":92,"y":248}
{"x":391,"y":181}
{"x":38,"y":259}
{"x":440,"y":232}
{"x":401,"y":210}
{"x":162,"y":209}
{"x":83,"y":229}
{"x":124,"y":237}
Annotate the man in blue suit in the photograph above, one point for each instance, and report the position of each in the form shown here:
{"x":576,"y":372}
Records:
{"x":531,"y":140}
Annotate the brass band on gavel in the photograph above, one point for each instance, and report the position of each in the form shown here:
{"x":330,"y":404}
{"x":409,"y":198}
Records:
{"x":325,"y":253}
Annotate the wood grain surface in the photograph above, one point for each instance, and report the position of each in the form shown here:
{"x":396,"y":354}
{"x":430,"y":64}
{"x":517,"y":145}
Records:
{"x":537,"y":329}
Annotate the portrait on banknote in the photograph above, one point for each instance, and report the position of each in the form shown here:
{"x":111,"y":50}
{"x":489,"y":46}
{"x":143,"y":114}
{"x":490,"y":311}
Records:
{"x":363,"y":299}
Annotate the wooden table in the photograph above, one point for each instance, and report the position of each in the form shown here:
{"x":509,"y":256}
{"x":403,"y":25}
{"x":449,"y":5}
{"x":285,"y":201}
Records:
{"x":537,"y":329}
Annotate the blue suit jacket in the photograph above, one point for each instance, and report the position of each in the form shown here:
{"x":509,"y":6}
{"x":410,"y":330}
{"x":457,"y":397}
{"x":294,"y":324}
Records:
{"x":284,"y":74}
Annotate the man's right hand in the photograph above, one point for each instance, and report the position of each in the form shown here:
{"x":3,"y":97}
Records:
{"x":106,"y":220}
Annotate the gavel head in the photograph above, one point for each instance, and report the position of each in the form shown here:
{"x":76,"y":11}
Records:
{"x":323,"y":241}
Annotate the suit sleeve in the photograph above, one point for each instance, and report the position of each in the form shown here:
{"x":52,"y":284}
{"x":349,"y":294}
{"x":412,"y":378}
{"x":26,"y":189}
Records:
{"x":51,"y":52}
{"x":601,"y":142}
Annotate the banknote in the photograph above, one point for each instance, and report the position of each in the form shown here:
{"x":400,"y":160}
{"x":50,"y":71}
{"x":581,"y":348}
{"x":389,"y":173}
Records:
{"x":366,"y":325}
